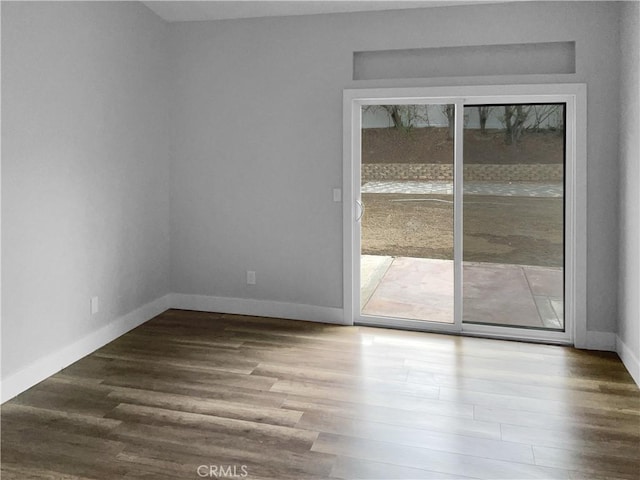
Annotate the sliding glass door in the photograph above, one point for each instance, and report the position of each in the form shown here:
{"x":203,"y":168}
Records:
{"x":513,"y":204}
{"x":406,"y":254}
{"x":459,"y":218}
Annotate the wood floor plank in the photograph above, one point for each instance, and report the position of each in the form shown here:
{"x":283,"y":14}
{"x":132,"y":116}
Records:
{"x":297,"y":439}
{"x":561,"y":379}
{"x":354,"y":468}
{"x":241,"y":394}
{"x":301,"y":400}
{"x":338,"y":361}
{"x":73,"y":444}
{"x":454,"y":419}
{"x":119,"y":374}
{"x":390,"y":377}
{"x":182,"y":360}
{"x":491,"y":352}
{"x":261,"y":460}
{"x":20,"y":472}
{"x":332,"y":378}
{"x":419,"y":402}
{"x":60,"y":459}
{"x":418,"y":437}
{"x":555,"y":404}
{"x":615,"y":443}
{"x":590,"y":462}
{"x":576,"y":418}
{"x":207,"y":406}
{"x":91,"y":404}
{"x":585,"y":391}
{"x":426,"y":459}
{"x":60,"y":420}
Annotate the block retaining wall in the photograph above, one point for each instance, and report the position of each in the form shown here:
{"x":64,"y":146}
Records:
{"x":475,"y":172}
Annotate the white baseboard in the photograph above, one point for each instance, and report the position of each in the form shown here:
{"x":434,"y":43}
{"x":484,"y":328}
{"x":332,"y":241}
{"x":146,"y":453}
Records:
{"x":605,"y":341}
{"x":260,"y":308}
{"x":629,"y":359}
{"x":53,"y":363}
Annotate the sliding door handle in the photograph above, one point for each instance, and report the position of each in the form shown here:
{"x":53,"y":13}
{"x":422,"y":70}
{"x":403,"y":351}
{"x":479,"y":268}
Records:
{"x":361,"y":205}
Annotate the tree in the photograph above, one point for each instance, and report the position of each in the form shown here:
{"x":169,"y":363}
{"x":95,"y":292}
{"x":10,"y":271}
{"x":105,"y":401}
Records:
{"x":514,"y":120}
{"x":483,"y":115}
{"x":402,"y":117}
{"x":450,"y":112}
{"x":396,"y":116}
{"x":546,"y":116}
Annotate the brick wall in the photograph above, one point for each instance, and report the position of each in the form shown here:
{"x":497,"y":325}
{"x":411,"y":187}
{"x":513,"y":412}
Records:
{"x":474,"y":172}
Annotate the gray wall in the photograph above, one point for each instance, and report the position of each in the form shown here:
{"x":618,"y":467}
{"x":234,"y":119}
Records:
{"x":629,"y":279}
{"x":84,"y":171}
{"x":252,"y":176}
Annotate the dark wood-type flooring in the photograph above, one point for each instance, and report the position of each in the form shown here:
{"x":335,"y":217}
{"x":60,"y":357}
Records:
{"x":283,"y":399}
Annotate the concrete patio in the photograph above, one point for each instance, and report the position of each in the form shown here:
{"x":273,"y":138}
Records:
{"x":498,"y":294}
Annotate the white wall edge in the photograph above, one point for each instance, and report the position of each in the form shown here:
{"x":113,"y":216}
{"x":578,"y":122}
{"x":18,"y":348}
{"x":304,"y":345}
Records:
{"x":259,"y":308}
{"x":630,"y":361}
{"x":605,"y":341}
{"x":45,"y":367}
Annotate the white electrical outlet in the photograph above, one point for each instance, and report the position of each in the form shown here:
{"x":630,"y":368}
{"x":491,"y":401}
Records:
{"x":94,"y":305}
{"x":337,"y":194}
{"x":251,"y":277}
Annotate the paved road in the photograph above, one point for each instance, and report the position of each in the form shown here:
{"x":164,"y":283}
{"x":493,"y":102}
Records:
{"x":513,"y":189}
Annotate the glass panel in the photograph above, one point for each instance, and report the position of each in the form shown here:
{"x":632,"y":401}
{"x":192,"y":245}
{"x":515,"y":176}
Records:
{"x":513,"y":256}
{"x":407,"y":228}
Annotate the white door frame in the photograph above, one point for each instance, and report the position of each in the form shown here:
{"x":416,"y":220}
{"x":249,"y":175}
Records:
{"x":574,"y":96}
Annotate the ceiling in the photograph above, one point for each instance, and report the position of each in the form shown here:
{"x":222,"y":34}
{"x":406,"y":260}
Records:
{"x":178,"y":11}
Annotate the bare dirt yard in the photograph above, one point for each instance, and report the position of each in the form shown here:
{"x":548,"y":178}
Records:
{"x":497,"y":229}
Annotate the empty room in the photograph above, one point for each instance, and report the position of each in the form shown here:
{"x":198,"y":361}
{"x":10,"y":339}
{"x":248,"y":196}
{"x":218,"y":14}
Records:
{"x":320,"y":240}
